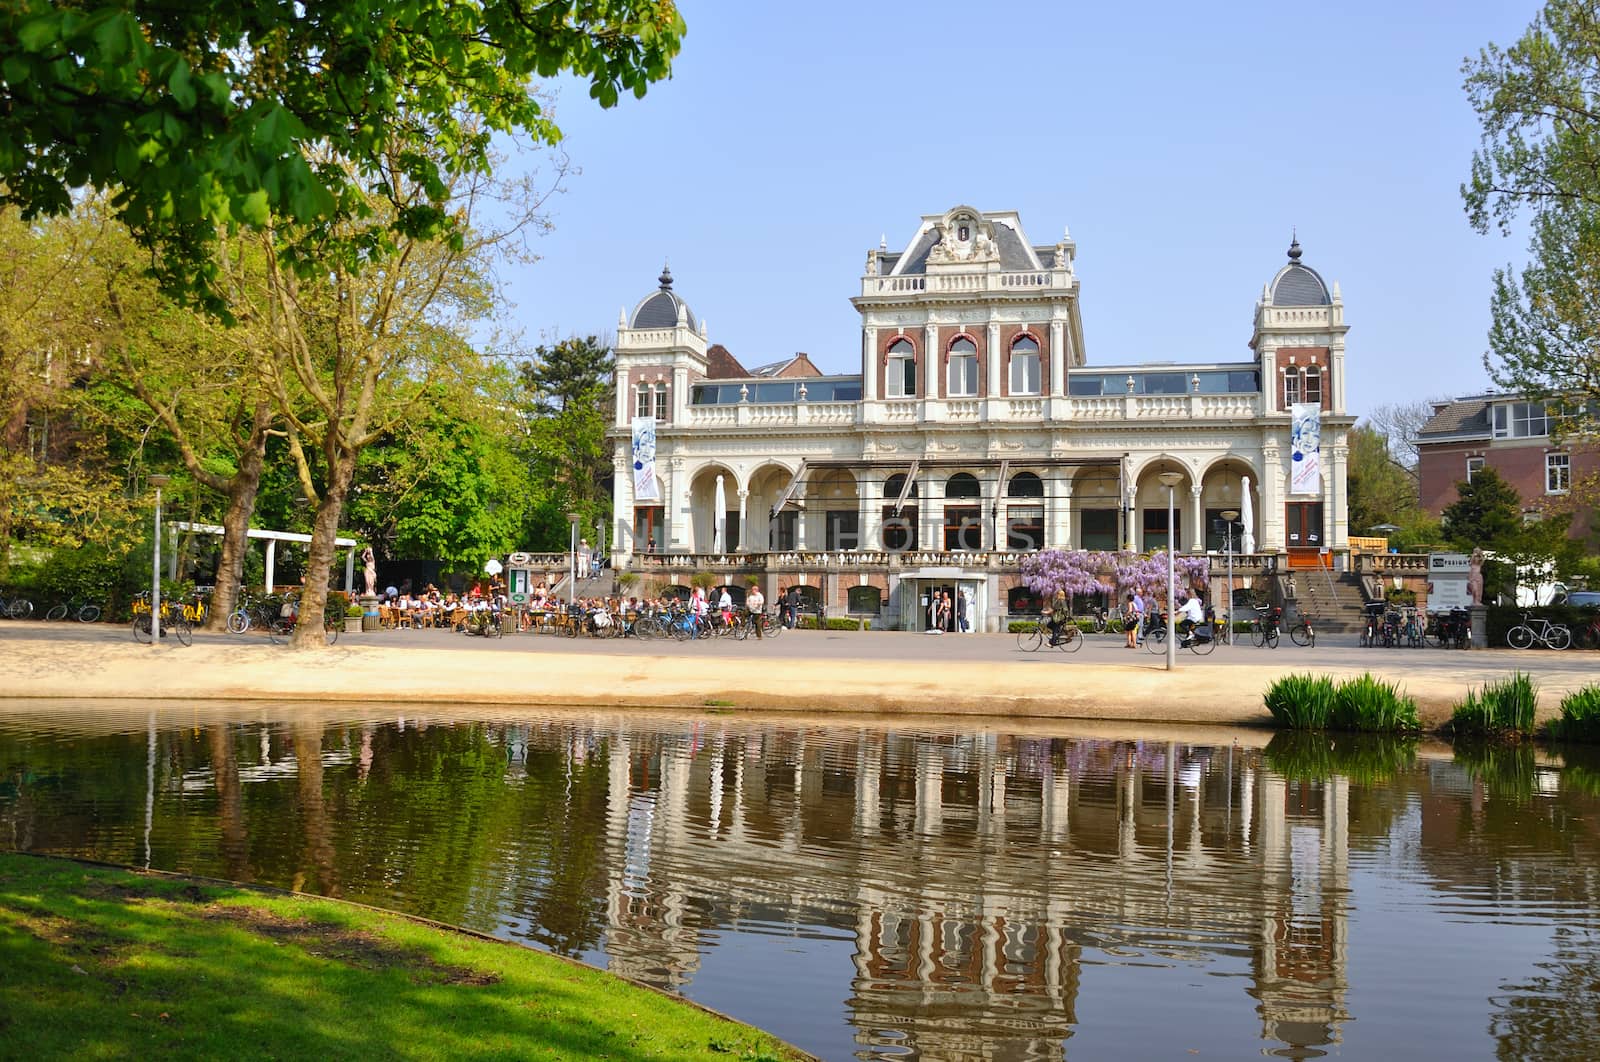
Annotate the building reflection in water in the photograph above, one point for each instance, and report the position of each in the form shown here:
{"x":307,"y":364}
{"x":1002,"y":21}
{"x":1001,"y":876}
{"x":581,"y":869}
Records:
{"x":992,"y":892}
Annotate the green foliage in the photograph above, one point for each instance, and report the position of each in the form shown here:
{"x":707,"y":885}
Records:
{"x":565,"y":398}
{"x":841,"y":623}
{"x":1487,"y":513}
{"x":1365,"y":759}
{"x":1501,"y":618}
{"x":1379,"y":489}
{"x":85,"y":574}
{"x":1400,"y":597}
{"x":1501,"y":709}
{"x":1369,"y":703}
{"x":1580,"y":716}
{"x":1020,"y":626}
{"x":1505,"y":769}
{"x":1307,"y":702}
{"x":704,"y":580}
{"x":1301,"y":702}
{"x":207,"y":117}
{"x":1538,"y":102}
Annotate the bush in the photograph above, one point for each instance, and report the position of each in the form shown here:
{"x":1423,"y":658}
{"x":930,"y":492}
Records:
{"x":1500,"y":709}
{"x":1369,"y":703}
{"x":1501,"y":618}
{"x":840,"y":623}
{"x":805,"y":623}
{"x":1022,"y":626}
{"x":1301,"y":702}
{"x":1400,"y":597}
{"x":1580,"y":716}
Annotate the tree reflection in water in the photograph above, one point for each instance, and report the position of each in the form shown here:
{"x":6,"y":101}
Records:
{"x":992,"y":894}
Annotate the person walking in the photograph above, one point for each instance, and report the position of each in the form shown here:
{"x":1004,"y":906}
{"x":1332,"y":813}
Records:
{"x":1130,"y":622}
{"x":756,"y":603}
{"x":1140,"y":609}
{"x":583,"y":558}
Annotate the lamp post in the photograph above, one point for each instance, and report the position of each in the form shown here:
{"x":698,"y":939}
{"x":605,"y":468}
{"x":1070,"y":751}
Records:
{"x":1230,"y":515}
{"x":572,"y":560}
{"x":1171,"y":480}
{"x":157,"y":481}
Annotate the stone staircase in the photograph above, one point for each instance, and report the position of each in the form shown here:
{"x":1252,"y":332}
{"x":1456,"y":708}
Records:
{"x":1335,"y":599}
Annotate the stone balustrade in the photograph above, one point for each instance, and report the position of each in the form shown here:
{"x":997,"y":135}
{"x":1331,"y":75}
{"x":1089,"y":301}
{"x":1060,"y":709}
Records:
{"x":973,"y":282}
{"x":1244,"y":564}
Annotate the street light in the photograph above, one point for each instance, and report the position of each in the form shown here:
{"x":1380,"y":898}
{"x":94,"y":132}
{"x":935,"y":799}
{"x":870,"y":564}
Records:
{"x":1230,"y":515}
{"x":1171,"y":480}
{"x":157,"y":481}
{"x":572,"y":560}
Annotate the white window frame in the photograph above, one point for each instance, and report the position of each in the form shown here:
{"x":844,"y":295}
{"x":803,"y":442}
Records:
{"x":901,"y":377}
{"x":1025,"y":367}
{"x":1311,"y":386}
{"x":962,"y":368}
{"x":1557,"y":473}
{"x":661,"y":402}
{"x":1521,"y":420}
{"x":1291,"y":387}
{"x":641,"y":404}
{"x":1474,"y":466}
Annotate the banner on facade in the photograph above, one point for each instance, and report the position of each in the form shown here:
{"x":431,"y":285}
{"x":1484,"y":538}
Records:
{"x":645,"y":485}
{"x":1305,"y":448}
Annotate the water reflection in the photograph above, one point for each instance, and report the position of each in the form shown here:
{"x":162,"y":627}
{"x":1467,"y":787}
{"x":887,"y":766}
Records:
{"x":907,"y":893}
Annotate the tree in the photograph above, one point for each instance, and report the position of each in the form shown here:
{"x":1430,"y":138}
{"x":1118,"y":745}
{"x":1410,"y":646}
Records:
{"x":567,"y":403}
{"x":1399,"y":424}
{"x":1378,"y":488}
{"x":207,"y":116}
{"x":1539,"y":105}
{"x":1487,"y":513}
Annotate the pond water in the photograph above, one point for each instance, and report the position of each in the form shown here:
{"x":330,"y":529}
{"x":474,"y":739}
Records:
{"x":903,"y":892}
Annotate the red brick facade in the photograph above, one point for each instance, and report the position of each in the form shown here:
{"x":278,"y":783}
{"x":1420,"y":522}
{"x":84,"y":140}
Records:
{"x":1297,"y":360}
{"x":1520,"y":462}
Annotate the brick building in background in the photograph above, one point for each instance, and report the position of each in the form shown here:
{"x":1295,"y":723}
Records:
{"x":1512,"y":436}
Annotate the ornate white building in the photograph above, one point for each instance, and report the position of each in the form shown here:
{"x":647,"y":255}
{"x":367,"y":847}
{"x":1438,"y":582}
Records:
{"x":977,"y":430}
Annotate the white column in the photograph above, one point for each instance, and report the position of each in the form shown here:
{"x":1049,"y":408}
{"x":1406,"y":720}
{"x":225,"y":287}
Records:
{"x":1270,"y":537}
{"x":995,"y":357}
{"x":869,"y":512}
{"x":1058,"y":359}
{"x":1058,"y":533}
{"x":869,"y":365}
{"x":1197,"y":515}
{"x":623,"y":546}
{"x":744,"y":520}
{"x":930,"y":361}
{"x":272,"y":563}
{"x":680,"y":395}
{"x":925,"y":515}
{"x":350,"y":570}
{"x":623,"y":392}
{"x":1339,"y":517}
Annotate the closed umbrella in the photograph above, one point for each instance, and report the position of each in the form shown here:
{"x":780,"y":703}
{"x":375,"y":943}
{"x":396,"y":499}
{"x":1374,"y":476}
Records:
{"x":720,"y":519}
{"x":1247,"y":516}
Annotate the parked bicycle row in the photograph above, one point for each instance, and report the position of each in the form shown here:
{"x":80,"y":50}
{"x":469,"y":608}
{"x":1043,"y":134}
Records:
{"x":1200,"y":637}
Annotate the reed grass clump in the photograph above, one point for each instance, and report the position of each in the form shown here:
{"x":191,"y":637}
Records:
{"x":1580,"y":716}
{"x":1371,"y":704}
{"x":1502,"y":709}
{"x":1301,"y":702}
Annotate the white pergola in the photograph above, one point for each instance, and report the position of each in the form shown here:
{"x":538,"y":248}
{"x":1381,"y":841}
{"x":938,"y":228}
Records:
{"x":272,"y":539}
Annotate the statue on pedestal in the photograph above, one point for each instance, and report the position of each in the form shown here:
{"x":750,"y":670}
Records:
{"x":369,"y":568}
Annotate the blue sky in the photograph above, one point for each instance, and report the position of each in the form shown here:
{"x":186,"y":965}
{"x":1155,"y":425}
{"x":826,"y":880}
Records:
{"x":1180,"y":142}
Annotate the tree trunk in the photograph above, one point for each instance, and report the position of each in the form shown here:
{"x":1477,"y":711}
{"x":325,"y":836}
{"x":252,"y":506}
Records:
{"x":321,"y":555}
{"x":241,"y":494}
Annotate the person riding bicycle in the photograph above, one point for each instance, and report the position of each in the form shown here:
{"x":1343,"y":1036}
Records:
{"x":1059,"y":615}
{"x":1190,"y":615}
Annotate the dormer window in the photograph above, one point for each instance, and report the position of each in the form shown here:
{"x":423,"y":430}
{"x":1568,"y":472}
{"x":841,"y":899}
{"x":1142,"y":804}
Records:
{"x":1520,"y":420}
{"x":962,"y":380}
{"x":902,"y":369}
{"x":1025,"y":366}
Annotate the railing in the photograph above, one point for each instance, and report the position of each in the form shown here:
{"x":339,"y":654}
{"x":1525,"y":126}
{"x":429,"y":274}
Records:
{"x":968,"y":410}
{"x":976,"y":281}
{"x":963,"y":409}
{"x":1397,"y":563}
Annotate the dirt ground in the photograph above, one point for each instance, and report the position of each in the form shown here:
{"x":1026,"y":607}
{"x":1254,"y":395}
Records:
{"x":811,"y":672}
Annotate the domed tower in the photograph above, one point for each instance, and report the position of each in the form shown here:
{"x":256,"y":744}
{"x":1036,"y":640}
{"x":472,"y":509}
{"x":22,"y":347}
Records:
{"x":660,"y":353}
{"x":1299,"y":338}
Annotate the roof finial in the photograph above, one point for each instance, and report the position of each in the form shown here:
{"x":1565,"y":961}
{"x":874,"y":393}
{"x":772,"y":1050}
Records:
{"x":883,"y":241}
{"x":1294,"y":245}
{"x":666,"y":276}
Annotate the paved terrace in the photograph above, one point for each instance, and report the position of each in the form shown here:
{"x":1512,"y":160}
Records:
{"x":811,"y":671}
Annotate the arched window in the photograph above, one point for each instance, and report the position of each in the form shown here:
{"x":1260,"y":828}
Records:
{"x":1311,"y":389}
{"x":641,"y":405}
{"x":864,"y":599}
{"x":1025,"y":485}
{"x":963,"y":369}
{"x":895,"y":484}
{"x":901,"y":377}
{"x":1291,"y":386}
{"x":661,"y":401}
{"x":1025,"y":366}
{"x":962,"y":485}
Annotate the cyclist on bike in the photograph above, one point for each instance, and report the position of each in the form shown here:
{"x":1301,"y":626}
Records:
{"x":1190,"y":615}
{"x":1058,"y":616}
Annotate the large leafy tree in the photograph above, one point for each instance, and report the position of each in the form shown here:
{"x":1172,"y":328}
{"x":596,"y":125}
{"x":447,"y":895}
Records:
{"x":1539,"y":105}
{"x":208,"y":115}
{"x":566,"y":404}
{"x":1380,"y":490}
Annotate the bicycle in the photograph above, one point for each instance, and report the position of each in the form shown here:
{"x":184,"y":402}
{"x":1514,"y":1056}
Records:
{"x":82,"y":611}
{"x":1305,"y":632}
{"x":1264,"y":628}
{"x":1068,"y":639}
{"x":16,"y":607}
{"x":1550,"y":635}
{"x":173,"y":622}
{"x":1411,"y":630}
{"x":1105,"y":622}
{"x":1200,"y":640}
{"x":1588,"y":636}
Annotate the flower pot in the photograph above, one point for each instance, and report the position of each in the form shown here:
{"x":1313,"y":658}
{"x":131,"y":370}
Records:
{"x":352,"y":624}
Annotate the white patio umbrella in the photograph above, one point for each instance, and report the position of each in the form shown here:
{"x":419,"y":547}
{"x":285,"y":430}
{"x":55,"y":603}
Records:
{"x":720,"y":519}
{"x":1247,"y":517}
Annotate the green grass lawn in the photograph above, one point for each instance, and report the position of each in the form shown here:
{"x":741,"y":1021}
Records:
{"x":100,"y":963}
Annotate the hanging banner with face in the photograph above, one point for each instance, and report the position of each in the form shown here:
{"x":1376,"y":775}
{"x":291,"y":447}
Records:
{"x":645,"y":485}
{"x":1305,"y":448}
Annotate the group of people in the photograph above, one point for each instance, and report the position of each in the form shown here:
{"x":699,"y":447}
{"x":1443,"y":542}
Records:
{"x":949,"y":612}
{"x":433,"y":608}
{"x":1139,"y":608}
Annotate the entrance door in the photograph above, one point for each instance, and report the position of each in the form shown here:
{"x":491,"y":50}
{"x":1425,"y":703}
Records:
{"x":928,"y":592}
{"x":1302,"y":533}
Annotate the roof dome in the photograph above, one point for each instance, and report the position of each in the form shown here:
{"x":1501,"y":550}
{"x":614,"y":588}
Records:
{"x":659,"y":309}
{"x":1298,"y":285}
